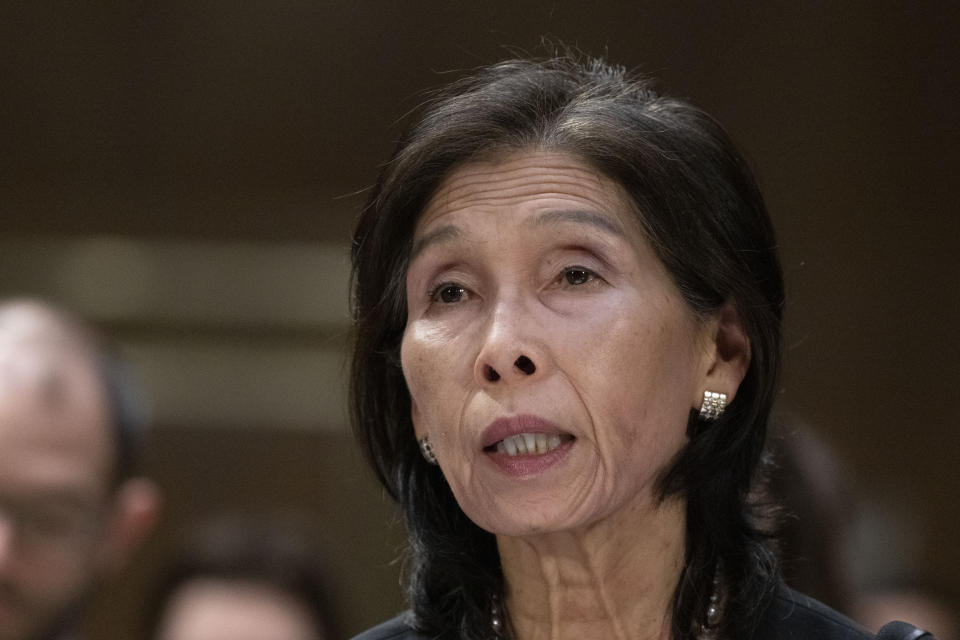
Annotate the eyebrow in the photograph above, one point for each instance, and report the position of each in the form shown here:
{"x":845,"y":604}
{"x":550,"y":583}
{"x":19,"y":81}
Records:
{"x":440,"y":234}
{"x":60,"y":498}
{"x":577,"y":216}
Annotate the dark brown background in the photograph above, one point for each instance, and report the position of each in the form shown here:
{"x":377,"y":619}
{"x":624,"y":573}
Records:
{"x":226,"y":122}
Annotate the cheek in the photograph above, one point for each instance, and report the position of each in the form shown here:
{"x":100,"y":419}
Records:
{"x":410,"y":362}
{"x":635,"y":376}
{"x":429,"y":361}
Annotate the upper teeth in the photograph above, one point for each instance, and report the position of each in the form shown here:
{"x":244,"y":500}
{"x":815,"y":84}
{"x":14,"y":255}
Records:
{"x":527,"y":443}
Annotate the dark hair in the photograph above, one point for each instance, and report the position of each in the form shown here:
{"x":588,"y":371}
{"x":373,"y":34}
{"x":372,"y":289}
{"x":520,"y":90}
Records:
{"x":705,"y":217}
{"x":127,"y":410}
{"x":240,"y":548}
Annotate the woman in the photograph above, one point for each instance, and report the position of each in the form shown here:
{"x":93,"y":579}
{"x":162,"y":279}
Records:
{"x":568,"y":302}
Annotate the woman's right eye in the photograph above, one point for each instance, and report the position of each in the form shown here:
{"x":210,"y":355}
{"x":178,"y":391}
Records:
{"x":448,"y":293}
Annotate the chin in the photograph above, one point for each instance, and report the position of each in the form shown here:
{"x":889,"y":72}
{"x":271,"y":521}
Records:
{"x":520,"y":522}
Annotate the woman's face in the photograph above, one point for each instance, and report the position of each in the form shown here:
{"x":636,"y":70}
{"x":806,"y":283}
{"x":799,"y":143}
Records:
{"x":549,"y":356}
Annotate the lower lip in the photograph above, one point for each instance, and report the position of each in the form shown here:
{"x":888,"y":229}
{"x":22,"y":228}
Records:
{"x":526,"y":465}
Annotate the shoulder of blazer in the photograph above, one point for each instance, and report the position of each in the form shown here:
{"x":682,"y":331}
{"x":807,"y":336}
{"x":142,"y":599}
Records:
{"x":897,"y":630}
{"x":794,"y":616}
{"x":394,"y":629}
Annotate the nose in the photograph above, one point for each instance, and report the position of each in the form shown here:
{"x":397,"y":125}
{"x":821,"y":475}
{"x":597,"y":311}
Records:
{"x":523,"y":364}
{"x":510,"y":351}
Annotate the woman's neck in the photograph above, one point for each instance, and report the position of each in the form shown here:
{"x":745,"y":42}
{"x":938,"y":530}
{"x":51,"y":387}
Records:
{"x":614,"y":579}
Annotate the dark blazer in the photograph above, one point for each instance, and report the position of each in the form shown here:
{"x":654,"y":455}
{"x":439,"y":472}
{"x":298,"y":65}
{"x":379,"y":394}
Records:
{"x":791,"y":616}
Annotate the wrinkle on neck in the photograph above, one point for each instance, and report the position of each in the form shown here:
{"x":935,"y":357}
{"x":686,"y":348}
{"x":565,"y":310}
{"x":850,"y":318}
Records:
{"x":614,"y":579}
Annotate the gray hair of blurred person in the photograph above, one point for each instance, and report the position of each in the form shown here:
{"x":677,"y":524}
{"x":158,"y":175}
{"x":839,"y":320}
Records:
{"x":125,"y":400}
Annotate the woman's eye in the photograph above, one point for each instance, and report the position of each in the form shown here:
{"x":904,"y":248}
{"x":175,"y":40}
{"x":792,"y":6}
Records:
{"x":448,"y":293}
{"x":577,"y":275}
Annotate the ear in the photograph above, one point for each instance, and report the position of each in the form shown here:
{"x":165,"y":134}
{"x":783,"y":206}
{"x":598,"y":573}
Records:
{"x":727,"y":355}
{"x":136,"y":510}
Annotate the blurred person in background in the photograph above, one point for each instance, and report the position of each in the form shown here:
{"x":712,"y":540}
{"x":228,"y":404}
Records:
{"x":71,"y":508}
{"x":821,"y":527}
{"x":243,"y":579}
{"x":811,"y":492}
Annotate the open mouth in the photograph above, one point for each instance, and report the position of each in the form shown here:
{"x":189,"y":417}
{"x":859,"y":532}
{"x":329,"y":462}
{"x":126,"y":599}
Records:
{"x":526,"y":444}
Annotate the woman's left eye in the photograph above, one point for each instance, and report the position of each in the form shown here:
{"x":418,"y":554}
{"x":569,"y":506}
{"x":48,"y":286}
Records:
{"x":448,"y":293}
{"x":577,"y":275}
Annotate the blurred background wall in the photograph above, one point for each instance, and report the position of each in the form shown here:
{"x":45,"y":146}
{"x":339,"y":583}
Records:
{"x":186,"y":175}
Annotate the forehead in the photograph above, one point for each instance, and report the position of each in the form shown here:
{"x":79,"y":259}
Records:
{"x":53,"y":418}
{"x":531,"y":180}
